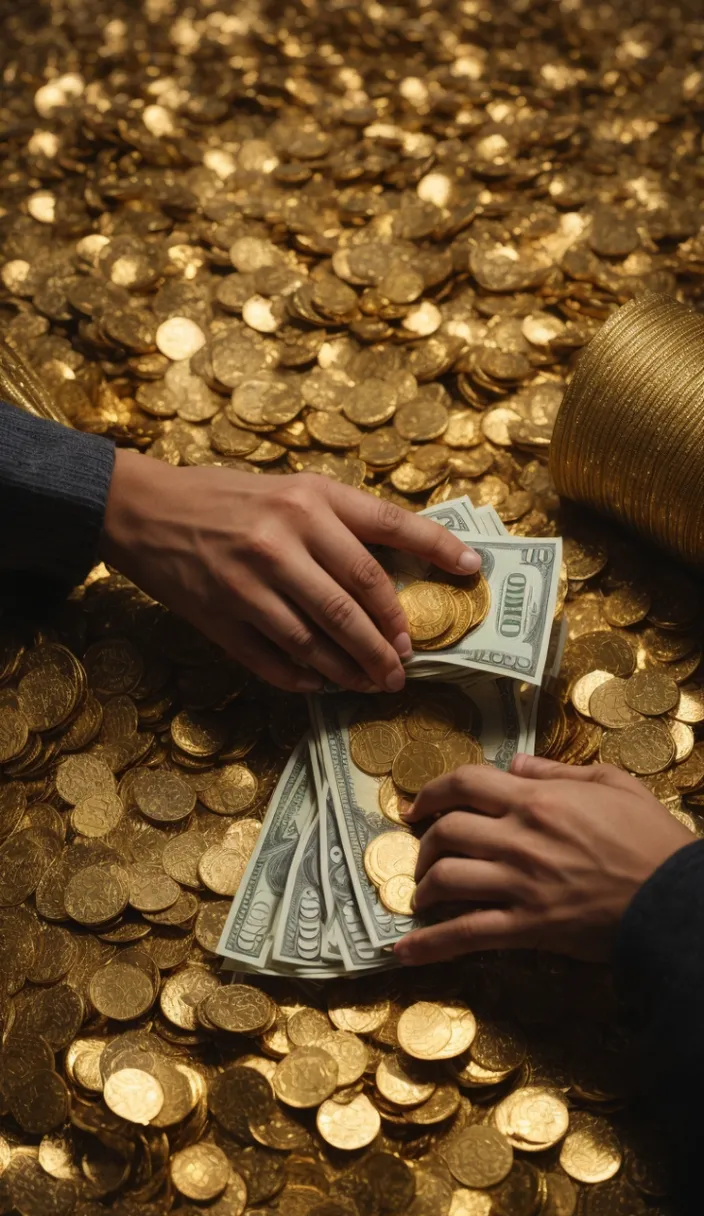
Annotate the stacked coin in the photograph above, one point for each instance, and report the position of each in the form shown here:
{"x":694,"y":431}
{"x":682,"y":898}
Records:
{"x":440,"y":614}
{"x":628,"y":436}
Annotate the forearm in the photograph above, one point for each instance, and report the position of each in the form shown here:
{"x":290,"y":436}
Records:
{"x":54,"y":485}
{"x":660,"y":970}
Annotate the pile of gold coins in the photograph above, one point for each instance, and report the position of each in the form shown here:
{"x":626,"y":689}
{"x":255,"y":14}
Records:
{"x":440,"y":614}
{"x":369,"y":241}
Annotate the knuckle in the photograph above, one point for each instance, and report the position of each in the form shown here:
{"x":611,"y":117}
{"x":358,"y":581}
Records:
{"x":540,"y":808}
{"x":389,"y":517}
{"x":445,"y":830}
{"x":457,"y":783}
{"x":264,"y":545}
{"x":338,"y":610}
{"x":441,"y":875}
{"x":366,"y":573}
{"x":301,"y":639}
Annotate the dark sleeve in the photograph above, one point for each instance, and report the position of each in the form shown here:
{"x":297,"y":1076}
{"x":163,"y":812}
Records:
{"x":660,"y":971}
{"x":54,"y":485}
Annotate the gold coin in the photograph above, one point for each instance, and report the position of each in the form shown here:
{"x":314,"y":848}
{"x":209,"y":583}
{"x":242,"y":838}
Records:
{"x":590,"y":1151}
{"x":462,"y":622}
{"x":240,"y":1008}
{"x":357,"y":1017}
{"x":429,"y":608}
{"x":79,"y":777}
{"x":584,"y":686}
{"x":689,"y":775}
{"x":403,"y":1082}
{"x":221,"y":870}
{"x":469,"y":1202}
{"x":182,"y":994}
{"x":464,"y":1029}
{"x":306,"y":1077}
{"x":374,"y":746}
{"x":161,"y":796}
{"x":416,"y":764}
{"x":121,"y":991}
{"x":651,"y":692}
{"x":349,"y":1126}
{"x":424,"y":1030}
{"x":397,"y":894}
{"x":200,"y":1172}
{"x":647,"y":747}
{"x":392,"y":802}
{"x":391,"y":853}
{"x":41,"y":1102}
{"x":97,"y":815}
{"x":233,"y":790}
{"x":690,"y":706}
{"x":479,"y":1156}
{"x":608,"y":705}
{"x":350,"y":1054}
{"x":532,"y":1118}
{"x":133,"y":1094}
{"x":460,"y":748}
{"x":683,"y":736}
{"x":308,"y":1027}
{"x":430,"y":720}
{"x":97,"y":894}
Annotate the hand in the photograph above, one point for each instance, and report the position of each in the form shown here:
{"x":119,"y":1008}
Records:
{"x":274,"y":569}
{"x":558,"y":852}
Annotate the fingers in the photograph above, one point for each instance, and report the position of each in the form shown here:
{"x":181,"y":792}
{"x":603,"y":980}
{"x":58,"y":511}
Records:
{"x":295,"y":636}
{"x":460,"y":833}
{"x":540,"y":769}
{"x":377,"y":521}
{"x":490,"y":929}
{"x":338,"y":615}
{"x":455,"y":878}
{"x":479,"y":786}
{"x":265,"y":660}
{"x":354,"y":568}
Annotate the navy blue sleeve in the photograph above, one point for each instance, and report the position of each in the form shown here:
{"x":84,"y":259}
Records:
{"x":660,"y":972}
{"x":54,"y":485}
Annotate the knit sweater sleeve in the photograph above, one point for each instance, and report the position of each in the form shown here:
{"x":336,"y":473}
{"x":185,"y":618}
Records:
{"x":54,"y":486}
{"x":660,"y":971}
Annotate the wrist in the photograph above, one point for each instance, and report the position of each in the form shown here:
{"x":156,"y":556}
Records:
{"x":134,"y":487}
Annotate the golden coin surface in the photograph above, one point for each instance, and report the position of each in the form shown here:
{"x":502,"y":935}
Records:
{"x":464,"y":620}
{"x":182,"y":993}
{"x":683,"y":736}
{"x":233,"y":790}
{"x":354,"y":1016}
{"x":350,"y":1053}
{"x":590,"y":1151}
{"x":651,"y":692}
{"x":464,"y":1029}
{"x":240,"y":1008}
{"x":532,"y":1118}
{"x":79,"y":777}
{"x":306,"y":1077}
{"x":584,"y":686}
{"x":608,"y":705}
{"x":443,"y":1104}
{"x":479,"y":1157}
{"x":41,"y":1102}
{"x":374,"y":747}
{"x":429,"y":608}
{"x":97,"y":894}
{"x":350,"y":1125}
{"x":416,"y":764}
{"x":424,"y":1030}
{"x":647,"y":747}
{"x":389,"y":854}
{"x":690,"y":706}
{"x":397,"y":894}
{"x":392,"y":802}
{"x":308,"y":1027}
{"x":402,"y":1082}
{"x":460,"y":748}
{"x":162,"y":797}
{"x":97,"y":815}
{"x":200,"y":1172}
{"x":221,"y":870}
{"x":133,"y":1094}
{"x":121,"y":991}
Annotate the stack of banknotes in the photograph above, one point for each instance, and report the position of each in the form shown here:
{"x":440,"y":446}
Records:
{"x":306,"y":904}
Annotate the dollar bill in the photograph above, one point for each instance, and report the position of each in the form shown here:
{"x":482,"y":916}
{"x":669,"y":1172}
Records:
{"x":493,"y":706}
{"x":523,"y":576}
{"x":249,"y":930}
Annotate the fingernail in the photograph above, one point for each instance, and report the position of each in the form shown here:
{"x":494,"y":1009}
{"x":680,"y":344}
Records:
{"x":402,"y":646}
{"x":396,"y":680}
{"x":308,"y":684}
{"x":469,"y":561}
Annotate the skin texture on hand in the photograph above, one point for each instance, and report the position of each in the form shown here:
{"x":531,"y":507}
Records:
{"x":550,"y":855}
{"x":274,"y":569}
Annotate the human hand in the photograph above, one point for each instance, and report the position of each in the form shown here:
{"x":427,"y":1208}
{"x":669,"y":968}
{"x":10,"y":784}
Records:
{"x":274,"y":569}
{"x":557,"y":852}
